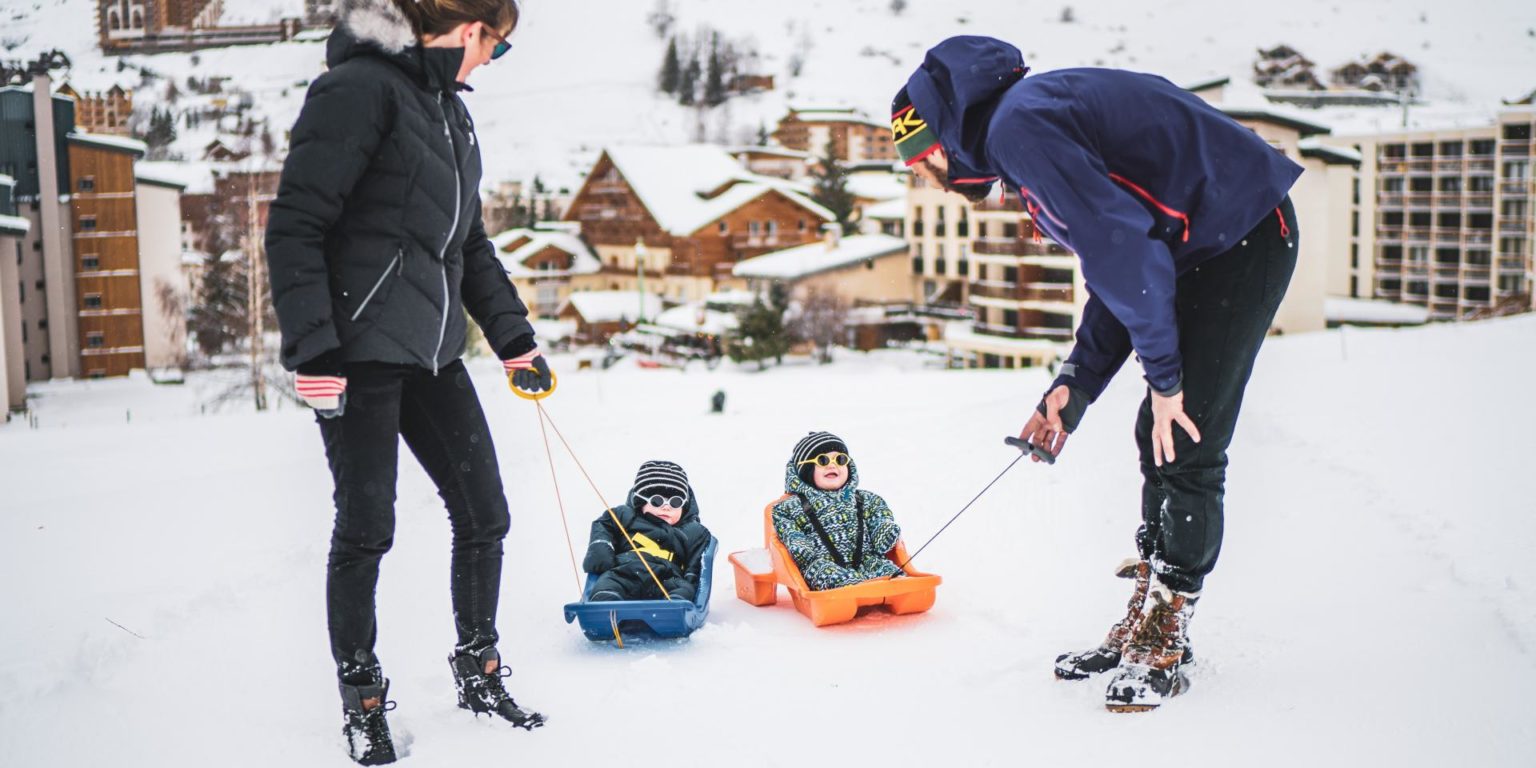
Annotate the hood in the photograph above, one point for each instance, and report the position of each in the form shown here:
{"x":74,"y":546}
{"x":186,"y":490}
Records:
{"x":956,"y":90}
{"x":794,"y":485}
{"x":377,"y":28}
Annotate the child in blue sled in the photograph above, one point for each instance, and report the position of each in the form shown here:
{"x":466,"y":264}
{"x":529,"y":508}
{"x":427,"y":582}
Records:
{"x":837,"y":534}
{"x":662,"y":519}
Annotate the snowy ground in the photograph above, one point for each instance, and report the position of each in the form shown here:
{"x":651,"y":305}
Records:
{"x":1375,"y":605}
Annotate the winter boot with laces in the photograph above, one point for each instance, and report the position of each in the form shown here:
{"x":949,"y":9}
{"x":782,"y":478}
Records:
{"x":1150,"y":670}
{"x":481,"y":692}
{"x":1080,"y":665}
{"x":367,"y":732}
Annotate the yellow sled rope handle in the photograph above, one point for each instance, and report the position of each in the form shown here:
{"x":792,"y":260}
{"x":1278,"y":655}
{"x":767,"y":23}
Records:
{"x":526,"y":395}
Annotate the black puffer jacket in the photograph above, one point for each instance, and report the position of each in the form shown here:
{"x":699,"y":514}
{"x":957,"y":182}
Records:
{"x":673,"y":551}
{"x":375,"y":240}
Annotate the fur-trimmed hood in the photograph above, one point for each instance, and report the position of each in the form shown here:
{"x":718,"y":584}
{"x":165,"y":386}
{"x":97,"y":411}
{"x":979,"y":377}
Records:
{"x":378,"y":28}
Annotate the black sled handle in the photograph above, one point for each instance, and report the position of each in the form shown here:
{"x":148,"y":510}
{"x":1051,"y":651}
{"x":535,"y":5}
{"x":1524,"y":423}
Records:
{"x":1038,"y":451}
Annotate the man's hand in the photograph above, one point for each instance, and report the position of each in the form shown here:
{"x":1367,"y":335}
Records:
{"x":1167,"y":411}
{"x":1046,"y":429}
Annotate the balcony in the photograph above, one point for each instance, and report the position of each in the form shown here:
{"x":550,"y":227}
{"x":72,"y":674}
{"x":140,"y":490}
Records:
{"x":1448,"y":236}
{"x":1480,"y":201}
{"x":1390,"y":200}
{"x":746,"y":242}
{"x":1516,"y":227}
{"x":1416,"y":233}
{"x":1476,"y":274}
{"x":1013,"y":246}
{"x":1511,"y":263}
{"x":1451,"y":273}
{"x":1520,"y":188}
{"x":1515,"y":148}
{"x":1477,"y":236}
{"x":1418,"y":200}
{"x":1477,"y":163}
{"x":1448,"y":200}
{"x":1005,"y":291}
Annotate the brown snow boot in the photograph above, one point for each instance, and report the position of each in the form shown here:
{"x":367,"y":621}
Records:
{"x":1080,"y":665}
{"x":1150,"y":670}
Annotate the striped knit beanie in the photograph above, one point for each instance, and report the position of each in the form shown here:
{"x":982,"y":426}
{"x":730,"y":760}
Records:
{"x":813,"y":445}
{"x":663,"y":477}
{"x":914,"y":139}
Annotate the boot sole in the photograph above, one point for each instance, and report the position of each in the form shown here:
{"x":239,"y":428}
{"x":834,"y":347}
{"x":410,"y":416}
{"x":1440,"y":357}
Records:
{"x":1130,"y":708}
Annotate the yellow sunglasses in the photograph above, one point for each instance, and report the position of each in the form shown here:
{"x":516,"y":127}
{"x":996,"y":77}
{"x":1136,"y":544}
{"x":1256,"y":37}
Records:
{"x":834,"y":457}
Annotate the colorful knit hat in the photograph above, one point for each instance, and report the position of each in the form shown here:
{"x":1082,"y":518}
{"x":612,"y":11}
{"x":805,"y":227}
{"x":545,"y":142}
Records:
{"x":659,"y":477}
{"x":813,"y":445}
{"x":914,"y":139}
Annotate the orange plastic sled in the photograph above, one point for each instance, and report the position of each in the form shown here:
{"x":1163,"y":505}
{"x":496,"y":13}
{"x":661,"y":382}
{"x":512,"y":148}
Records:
{"x":760,"y":572}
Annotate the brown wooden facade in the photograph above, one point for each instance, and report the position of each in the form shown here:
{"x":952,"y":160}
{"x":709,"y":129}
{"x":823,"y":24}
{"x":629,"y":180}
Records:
{"x":612,"y":215}
{"x":853,"y":141}
{"x":108,"y":299}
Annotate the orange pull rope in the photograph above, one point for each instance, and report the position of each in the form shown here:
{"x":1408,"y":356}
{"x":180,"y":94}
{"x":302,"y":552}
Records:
{"x":599,"y":493}
{"x":565,"y":524}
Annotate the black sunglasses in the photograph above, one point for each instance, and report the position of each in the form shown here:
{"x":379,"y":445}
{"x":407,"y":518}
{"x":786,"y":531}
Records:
{"x":502,"y":46}
{"x":658,"y":500}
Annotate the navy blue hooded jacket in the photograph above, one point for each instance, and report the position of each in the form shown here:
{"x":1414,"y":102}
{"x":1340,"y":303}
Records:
{"x":1140,"y":178}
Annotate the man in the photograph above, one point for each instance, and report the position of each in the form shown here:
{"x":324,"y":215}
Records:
{"x":1187,"y":240}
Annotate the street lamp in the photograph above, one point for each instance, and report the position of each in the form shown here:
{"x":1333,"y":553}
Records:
{"x":640,"y":274}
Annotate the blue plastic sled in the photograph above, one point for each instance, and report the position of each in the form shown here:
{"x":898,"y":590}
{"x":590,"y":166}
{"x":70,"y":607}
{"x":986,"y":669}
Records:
{"x":645,"y":618}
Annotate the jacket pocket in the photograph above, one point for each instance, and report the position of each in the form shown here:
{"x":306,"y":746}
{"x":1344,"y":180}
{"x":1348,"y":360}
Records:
{"x":394,"y":268}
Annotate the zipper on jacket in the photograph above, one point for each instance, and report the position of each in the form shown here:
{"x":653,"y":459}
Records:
{"x":1181,"y":216}
{"x":382,"y":277}
{"x":442,"y":253}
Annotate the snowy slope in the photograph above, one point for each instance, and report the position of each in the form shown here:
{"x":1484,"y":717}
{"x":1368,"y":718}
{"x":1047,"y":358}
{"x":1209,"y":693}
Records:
{"x":1375,"y":604}
{"x":581,"y":73}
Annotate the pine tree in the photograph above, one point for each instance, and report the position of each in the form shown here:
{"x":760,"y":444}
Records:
{"x":762,"y":135}
{"x":671,"y":71}
{"x":689,"y":84}
{"x":831,"y":187}
{"x":714,"y":82}
{"x":760,"y":335}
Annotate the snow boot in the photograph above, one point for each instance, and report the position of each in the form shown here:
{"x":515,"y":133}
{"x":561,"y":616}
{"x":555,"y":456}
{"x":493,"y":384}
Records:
{"x":1081,"y":665}
{"x":367,"y":732}
{"x":482,"y":693}
{"x":1150,"y":670}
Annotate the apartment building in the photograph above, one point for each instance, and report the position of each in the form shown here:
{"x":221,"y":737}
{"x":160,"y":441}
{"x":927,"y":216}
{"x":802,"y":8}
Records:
{"x":856,"y":137}
{"x":1442,"y":219}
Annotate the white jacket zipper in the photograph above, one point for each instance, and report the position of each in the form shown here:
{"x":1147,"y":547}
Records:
{"x":379,"y":282}
{"x":442,"y":254}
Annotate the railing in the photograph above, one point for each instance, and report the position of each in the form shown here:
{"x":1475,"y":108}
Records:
{"x":1479,"y":200}
{"x":989,"y":289}
{"x":1448,"y":199}
{"x":1476,"y":274}
{"x":1515,"y":147}
{"x":1515,"y":188}
{"x":1511,"y":263}
{"x":1418,"y":200}
{"x":1448,"y":236}
{"x":1447,"y":273}
{"x":1391,"y":199}
{"x":1512,"y":227}
{"x":1477,"y":236}
{"x":1010,"y":246}
{"x":1477,"y":163}
{"x":758,"y":241}
{"x":1044,"y":332}
{"x":1416,"y":233}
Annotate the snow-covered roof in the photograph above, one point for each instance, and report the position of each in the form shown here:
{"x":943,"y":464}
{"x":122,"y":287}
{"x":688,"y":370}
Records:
{"x":773,"y":150}
{"x":552,"y":330}
{"x":584,"y":262}
{"x":889,"y":210}
{"x":694,"y":318}
{"x":671,"y":182}
{"x":14,"y":225}
{"x":731,"y":298}
{"x":806,"y":260}
{"x":194,"y":178}
{"x":878,"y":186}
{"x":150,"y":176}
{"x":1312,"y":146}
{"x":1371,"y":311}
{"x":612,"y":306}
{"x":961,"y":333}
{"x":116,"y":143}
{"x":836,"y":115}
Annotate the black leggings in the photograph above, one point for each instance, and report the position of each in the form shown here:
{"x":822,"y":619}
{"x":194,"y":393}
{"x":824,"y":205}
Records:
{"x":1225,"y":307}
{"x":443,"y":425}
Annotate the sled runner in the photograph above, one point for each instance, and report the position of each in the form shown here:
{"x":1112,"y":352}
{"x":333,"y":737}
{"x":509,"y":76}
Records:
{"x":644,"y":618}
{"x":759,"y":572}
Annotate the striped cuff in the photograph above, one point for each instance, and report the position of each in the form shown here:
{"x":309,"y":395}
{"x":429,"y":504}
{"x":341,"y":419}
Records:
{"x":522,"y":362}
{"x":323,"y":393}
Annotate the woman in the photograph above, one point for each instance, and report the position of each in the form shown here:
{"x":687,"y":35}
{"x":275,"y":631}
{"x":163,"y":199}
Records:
{"x":376,"y":247}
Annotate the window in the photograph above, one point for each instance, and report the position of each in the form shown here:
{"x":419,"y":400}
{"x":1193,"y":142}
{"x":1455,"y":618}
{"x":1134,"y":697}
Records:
{"x":1355,"y":190}
{"x":95,"y":340}
{"x":1424,"y":149}
{"x":86,"y":184}
{"x":1481,"y":147}
{"x":1449,"y":221}
{"x":1354,"y":256}
{"x":1479,"y":183}
{"x":938,"y":222}
{"x":1011,"y":318}
{"x":87,"y":223}
{"x":917,"y":265}
{"x":724,"y":227}
{"x":1421,"y":184}
{"x":963,"y":229}
{"x":1420,"y":219}
{"x":754,"y":229}
{"x":1392,"y":184}
{"x":90,"y":262}
{"x":1517,"y":132}
{"x":1354,"y":223}
{"x":965,"y":266}
{"x":1450,"y":149}
{"x":1450,"y":184}
{"x":92,"y":301}
{"x":773,"y":230}
{"x":1354,"y":285}
{"x":802,"y":225}
{"x":1515,"y":170}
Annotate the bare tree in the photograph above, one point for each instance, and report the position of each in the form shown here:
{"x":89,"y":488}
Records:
{"x":823,"y":320}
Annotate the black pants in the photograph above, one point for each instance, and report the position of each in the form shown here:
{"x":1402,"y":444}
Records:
{"x":1225,"y":307}
{"x":443,"y":425}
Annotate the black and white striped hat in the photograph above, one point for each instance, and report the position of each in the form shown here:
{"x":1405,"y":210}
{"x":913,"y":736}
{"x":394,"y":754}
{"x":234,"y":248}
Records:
{"x":663,"y":477}
{"x":817,"y":443}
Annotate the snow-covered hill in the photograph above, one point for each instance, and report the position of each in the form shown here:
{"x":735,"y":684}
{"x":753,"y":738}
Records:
{"x":581,"y":74}
{"x":1375,"y":603}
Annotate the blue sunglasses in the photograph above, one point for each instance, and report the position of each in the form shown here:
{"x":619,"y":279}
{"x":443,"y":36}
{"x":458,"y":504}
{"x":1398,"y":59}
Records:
{"x":502,"y":46}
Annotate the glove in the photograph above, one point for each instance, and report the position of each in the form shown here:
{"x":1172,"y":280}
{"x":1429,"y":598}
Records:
{"x":600,"y":558}
{"x":528,"y":371}
{"x":1072,"y":413}
{"x":322,"y":387}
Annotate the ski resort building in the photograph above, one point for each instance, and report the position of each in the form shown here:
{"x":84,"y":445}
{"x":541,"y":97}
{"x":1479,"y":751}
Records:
{"x":676,"y":220}
{"x":541,"y":264}
{"x":855,"y":137}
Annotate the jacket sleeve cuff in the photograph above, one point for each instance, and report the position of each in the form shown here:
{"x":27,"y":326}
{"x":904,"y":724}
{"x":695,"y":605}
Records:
{"x":517,"y":347}
{"x":1173,"y":389}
